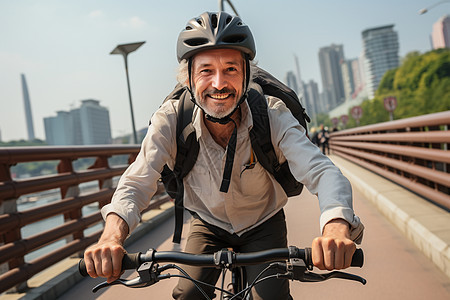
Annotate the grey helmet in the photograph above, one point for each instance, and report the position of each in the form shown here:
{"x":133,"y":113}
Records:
{"x":215,"y":30}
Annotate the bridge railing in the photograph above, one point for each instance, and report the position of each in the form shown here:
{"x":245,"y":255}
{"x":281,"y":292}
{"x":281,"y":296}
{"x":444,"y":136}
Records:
{"x":412,"y":152}
{"x":76,"y":228}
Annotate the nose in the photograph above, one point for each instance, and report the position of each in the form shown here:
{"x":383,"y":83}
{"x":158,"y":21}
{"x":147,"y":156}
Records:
{"x":219,"y":81}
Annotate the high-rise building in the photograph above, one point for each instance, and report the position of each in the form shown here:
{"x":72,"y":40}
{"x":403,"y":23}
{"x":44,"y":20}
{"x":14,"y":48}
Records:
{"x":291,"y":81}
{"x":330,"y":59}
{"x":380,"y":48}
{"x":441,"y":33}
{"x":358,"y":80}
{"x":27,"y":106}
{"x":87,"y":125}
{"x":313,"y":106}
{"x":347,"y":78}
{"x":95,"y":125}
{"x":59,"y":130}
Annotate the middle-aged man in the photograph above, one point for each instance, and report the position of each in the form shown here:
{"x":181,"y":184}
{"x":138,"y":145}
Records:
{"x":215,"y":51}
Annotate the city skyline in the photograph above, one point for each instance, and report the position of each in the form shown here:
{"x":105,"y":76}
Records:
{"x":63,"y":48}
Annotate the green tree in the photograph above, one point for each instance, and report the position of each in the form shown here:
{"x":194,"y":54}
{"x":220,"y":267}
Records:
{"x":421,"y":85}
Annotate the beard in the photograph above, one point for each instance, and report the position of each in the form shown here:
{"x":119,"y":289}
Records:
{"x":217,"y":110}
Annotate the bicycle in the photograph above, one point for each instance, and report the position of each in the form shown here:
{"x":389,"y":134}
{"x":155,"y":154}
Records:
{"x":298,"y":266}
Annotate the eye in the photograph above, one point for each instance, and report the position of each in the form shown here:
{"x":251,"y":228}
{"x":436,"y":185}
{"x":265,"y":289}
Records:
{"x":205,"y":71}
{"x":231,"y":69}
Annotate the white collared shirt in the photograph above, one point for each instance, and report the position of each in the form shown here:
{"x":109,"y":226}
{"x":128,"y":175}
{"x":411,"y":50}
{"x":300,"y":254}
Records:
{"x":254,"y":195}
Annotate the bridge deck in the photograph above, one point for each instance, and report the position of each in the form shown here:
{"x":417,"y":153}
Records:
{"x":394,"y":267}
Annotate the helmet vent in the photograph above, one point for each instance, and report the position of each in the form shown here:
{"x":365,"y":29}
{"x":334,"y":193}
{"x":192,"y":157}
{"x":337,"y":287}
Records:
{"x":199,"y":21}
{"x":234,"y":39}
{"x":228,"y":20}
{"x":196,"y":42}
{"x":214,"y":20}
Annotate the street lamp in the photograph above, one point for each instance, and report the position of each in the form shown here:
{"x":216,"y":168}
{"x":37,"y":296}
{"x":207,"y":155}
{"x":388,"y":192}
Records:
{"x":424,"y":10}
{"x":124,"y":50}
{"x":231,"y":5}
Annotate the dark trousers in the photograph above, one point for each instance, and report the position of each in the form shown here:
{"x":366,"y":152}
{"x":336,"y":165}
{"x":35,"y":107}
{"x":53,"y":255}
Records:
{"x":205,"y":238}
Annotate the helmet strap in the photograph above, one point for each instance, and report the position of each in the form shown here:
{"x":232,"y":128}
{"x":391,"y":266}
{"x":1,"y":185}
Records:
{"x":189,"y":88}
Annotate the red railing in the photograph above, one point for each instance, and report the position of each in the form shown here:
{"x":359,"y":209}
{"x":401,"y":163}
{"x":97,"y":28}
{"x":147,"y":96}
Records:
{"x":14,"y":269}
{"x":412,"y":152}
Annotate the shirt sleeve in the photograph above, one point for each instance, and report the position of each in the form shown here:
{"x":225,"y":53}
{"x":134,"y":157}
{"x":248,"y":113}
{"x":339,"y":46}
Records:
{"x":138,"y":183}
{"x":310,"y":167}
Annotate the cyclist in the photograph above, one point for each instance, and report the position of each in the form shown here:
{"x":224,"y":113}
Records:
{"x":215,"y":51}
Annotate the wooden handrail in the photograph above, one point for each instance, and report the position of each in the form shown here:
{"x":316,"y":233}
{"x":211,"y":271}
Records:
{"x":13,"y":247}
{"x":412,"y":152}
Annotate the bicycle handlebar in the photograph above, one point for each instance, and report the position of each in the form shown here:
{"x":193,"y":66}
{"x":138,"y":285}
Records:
{"x":227,"y":258}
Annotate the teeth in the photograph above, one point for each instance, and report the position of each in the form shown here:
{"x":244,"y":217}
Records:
{"x":219,"y":96}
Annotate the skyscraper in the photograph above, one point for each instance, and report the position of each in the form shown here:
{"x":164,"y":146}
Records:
{"x":291,"y":81}
{"x":347,"y":78}
{"x":27,"y":106}
{"x":312,"y":101}
{"x":380,"y":49}
{"x":330,"y":59}
{"x":59,"y":130}
{"x":95,"y":125}
{"x":86,"y":125}
{"x":441,"y":33}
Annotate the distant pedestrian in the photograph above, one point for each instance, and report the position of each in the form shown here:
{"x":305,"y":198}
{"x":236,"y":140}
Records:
{"x":313,"y":136}
{"x":323,"y":136}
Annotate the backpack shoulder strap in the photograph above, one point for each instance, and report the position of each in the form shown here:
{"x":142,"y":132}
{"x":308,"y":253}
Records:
{"x":187,"y":152}
{"x":262,"y":145}
{"x":260,"y":133}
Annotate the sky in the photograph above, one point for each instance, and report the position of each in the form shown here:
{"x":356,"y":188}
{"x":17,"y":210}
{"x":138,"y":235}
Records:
{"x":63,"y":48}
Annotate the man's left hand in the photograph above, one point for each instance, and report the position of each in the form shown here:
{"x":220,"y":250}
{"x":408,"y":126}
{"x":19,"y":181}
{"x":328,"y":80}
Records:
{"x":334,"y":249}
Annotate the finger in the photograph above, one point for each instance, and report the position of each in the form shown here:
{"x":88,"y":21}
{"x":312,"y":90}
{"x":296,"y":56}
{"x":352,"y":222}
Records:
{"x":317,"y":254}
{"x":350,"y":250}
{"x":339,"y":256}
{"x":90,"y":268}
{"x":117,"y":255}
{"x":98,"y":263}
{"x":106,"y":263}
{"x":328,"y":257}
{"x":329,"y":249}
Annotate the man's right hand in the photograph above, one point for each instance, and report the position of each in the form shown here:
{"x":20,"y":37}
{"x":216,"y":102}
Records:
{"x":104,"y":259}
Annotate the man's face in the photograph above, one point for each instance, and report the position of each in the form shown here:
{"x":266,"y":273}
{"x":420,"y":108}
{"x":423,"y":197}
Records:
{"x":218,"y":77}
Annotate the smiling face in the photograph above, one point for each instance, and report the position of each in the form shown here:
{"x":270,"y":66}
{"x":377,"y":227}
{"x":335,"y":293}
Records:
{"x":218,"y":79}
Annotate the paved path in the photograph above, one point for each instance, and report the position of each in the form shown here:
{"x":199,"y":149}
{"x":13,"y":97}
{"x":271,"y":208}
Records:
{"x":394,"y":268}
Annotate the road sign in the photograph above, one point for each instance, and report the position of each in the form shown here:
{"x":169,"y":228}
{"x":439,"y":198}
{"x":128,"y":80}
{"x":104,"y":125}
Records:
{"x":390,"y":103}
{"x":344,"y":119}
{"x":335,"y":121}
{"x":357,"y":112}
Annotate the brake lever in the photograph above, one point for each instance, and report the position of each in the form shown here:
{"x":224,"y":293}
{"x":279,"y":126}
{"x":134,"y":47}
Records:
{"x":297,"y":270}
{"x":314,"y":277}
{"x":149,"y":274}
{"x":136,"y":283}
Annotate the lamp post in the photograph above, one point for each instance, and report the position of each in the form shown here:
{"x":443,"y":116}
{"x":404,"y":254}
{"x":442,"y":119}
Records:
{"x":424,"y":10}
{"x":231,"y":5}
{"x":124,"y":50}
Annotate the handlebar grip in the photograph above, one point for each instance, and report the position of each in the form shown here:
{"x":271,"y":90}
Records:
{"x":129,"y":261}
{"x":357,"y":259}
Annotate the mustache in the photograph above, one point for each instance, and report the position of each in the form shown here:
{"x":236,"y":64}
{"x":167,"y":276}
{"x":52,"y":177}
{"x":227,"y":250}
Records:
{"x":216,"y":91}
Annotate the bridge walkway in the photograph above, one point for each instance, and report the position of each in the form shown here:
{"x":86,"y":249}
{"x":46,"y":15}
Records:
{"x":395,"y":267}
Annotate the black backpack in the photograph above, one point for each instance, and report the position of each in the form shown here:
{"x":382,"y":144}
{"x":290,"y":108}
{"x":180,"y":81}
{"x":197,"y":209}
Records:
{"x":188,"y":147}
